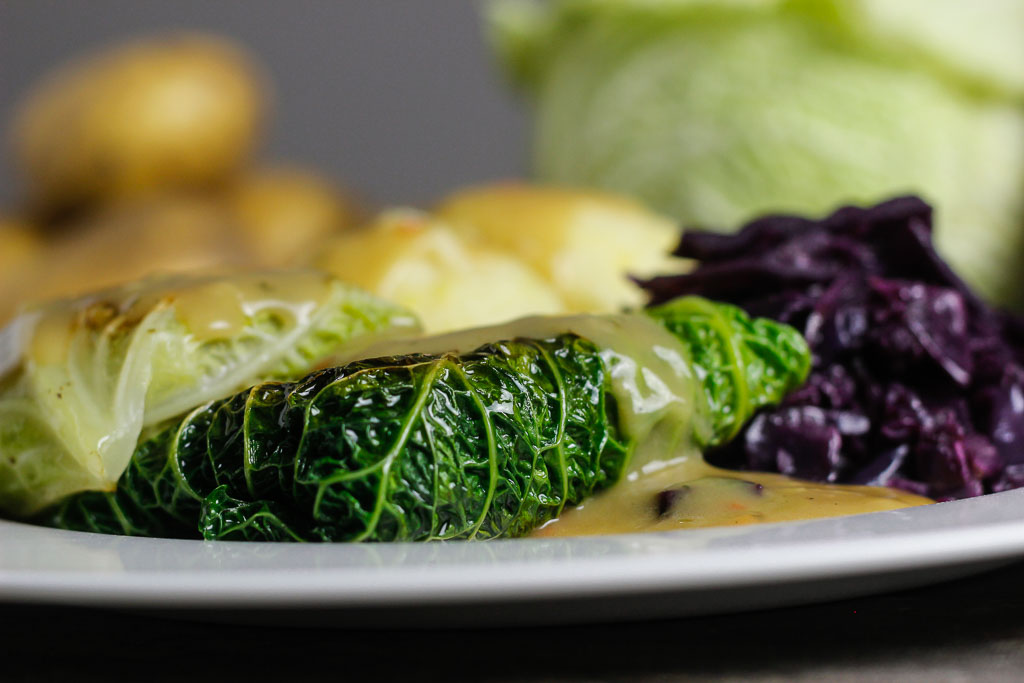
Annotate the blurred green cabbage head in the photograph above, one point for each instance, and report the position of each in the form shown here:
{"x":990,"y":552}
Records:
{"x":716,"y":111}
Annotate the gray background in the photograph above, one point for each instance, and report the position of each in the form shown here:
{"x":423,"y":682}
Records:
{"x":398,"y":99}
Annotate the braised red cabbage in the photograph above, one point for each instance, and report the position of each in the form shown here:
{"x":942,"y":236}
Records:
{"x":917,"y":383}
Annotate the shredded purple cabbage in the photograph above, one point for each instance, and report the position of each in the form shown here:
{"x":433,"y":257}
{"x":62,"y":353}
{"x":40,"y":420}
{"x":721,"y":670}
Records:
{"x":917,"y":383}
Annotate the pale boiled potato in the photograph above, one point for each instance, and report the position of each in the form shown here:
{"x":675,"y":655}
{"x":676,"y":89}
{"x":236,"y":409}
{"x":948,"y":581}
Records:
{"x":132,"y":241}
{"x":584,"y":242}
{"x":20,"y":243}
{"x":20,"y":248}
{"x":165,"y":112}
{"x":411,"y":259}
{"x":284,"y":213}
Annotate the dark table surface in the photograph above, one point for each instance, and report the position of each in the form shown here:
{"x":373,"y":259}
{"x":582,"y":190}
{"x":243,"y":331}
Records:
{"x":967,"y":630}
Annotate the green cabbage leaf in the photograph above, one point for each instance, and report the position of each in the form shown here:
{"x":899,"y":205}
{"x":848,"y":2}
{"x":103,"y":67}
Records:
{"x":718,"y":111}
{"x":429,"y":446}
{"x":82,"y":380}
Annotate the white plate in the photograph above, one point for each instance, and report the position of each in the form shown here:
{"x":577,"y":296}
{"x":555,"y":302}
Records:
{"x":527,"y":580}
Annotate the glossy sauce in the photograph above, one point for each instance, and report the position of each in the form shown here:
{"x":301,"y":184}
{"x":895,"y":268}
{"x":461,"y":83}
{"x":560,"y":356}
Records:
{"x":692,"y":494}
{"x":650,"y":376}
{"x":209,"y":308}
{"x":221,"y":309}
{"x":667,"y":485}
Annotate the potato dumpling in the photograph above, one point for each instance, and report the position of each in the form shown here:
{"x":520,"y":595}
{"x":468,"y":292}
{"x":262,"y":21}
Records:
{"x":585,"y":243}
{"x":451,"y":283}
{"x":131,"y":241}
{"x":285,"y":213}
{"x":172,"y":112}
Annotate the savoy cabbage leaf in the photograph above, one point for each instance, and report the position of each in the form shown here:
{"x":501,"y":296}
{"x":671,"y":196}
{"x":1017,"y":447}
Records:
{"x":477,"y":445}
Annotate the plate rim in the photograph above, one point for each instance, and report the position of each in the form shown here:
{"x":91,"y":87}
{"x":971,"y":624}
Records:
{"x":631,"y":570}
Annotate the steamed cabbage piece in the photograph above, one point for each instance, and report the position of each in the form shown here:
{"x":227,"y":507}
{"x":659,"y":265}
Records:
{"x":717,"y":112}
{"x":81,"y":380}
